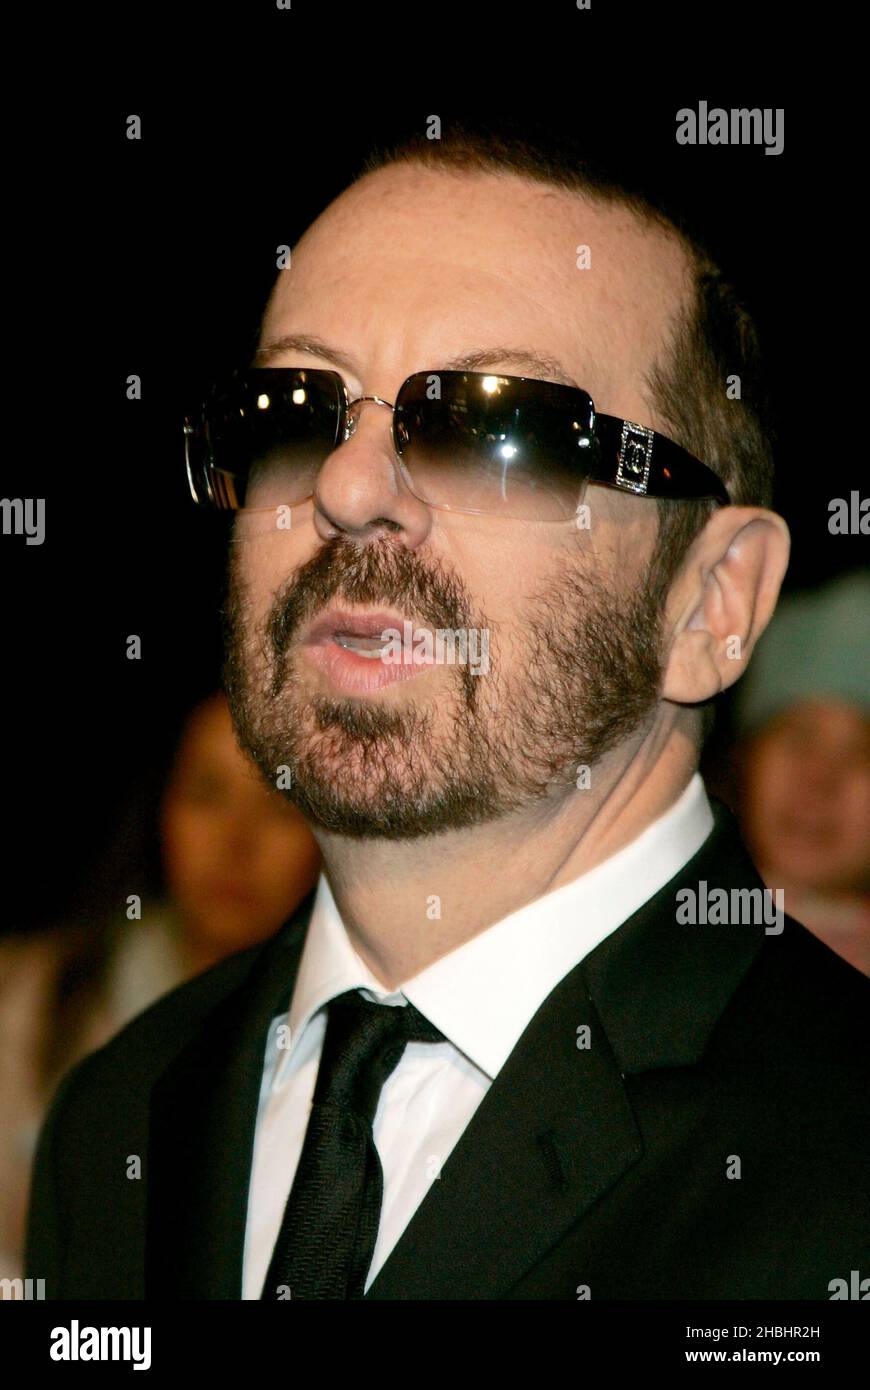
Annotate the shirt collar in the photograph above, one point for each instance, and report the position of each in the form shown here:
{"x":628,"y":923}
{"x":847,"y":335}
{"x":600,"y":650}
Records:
{"x":483,"y":994}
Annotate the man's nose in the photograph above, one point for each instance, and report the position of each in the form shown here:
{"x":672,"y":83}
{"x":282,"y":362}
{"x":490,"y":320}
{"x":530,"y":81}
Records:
{"x":360,"y":490}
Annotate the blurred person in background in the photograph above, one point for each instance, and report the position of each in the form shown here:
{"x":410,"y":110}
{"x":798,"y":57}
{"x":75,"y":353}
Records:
{"x":233,"y":861}
{"x":803,"y":762}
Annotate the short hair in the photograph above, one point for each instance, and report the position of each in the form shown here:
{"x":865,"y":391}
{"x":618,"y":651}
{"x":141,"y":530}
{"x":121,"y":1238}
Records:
{"x":715,"y":337}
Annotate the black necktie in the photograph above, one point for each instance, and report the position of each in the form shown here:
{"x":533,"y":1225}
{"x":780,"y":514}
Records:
{"x":330,"y":1224}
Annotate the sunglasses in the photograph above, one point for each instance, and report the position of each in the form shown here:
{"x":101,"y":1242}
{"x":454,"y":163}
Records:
{"x":472,"y":442}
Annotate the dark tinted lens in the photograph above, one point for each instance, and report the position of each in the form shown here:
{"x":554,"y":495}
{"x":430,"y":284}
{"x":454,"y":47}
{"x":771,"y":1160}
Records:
{"x":503,"y":445}
{"x":263,"y":438}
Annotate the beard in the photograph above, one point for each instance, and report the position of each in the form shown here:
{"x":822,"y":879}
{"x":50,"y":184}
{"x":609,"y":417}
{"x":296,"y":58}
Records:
{"x":589,"y":678}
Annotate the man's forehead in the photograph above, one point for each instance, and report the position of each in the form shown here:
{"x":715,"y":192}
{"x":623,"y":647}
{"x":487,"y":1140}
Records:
{"x":481,"y":214}
{"x":480,"y":259}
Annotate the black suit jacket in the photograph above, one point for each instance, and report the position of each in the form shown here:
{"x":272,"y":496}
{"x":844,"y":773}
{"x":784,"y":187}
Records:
{"x":712,"y":1049}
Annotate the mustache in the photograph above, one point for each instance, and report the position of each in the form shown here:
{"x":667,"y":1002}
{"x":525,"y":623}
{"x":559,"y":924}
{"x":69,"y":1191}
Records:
{"x":374,"y":574}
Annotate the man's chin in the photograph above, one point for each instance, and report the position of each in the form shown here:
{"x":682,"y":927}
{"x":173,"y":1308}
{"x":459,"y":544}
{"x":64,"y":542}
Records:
{"x":373,"y":812}
{"x":386,"y":797}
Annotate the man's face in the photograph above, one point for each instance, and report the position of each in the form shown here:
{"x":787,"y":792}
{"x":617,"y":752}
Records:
{"x":408,"y":269}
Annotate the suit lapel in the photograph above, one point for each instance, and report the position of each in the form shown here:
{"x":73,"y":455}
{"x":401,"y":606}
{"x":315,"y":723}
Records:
{"x":552,"y":1134}
{"x":202,"y":1127}
{"x":555,"y":1130}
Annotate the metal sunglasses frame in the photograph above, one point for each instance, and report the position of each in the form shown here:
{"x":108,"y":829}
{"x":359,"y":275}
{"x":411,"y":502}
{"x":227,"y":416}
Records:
{"x":630,"y":457}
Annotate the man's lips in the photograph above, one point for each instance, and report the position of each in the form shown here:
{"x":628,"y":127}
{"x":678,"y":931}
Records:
{"x":346,"y":646}
{"x":360,"y":622}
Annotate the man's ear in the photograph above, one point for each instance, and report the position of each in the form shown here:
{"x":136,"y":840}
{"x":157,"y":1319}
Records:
{"x":722,"y":600}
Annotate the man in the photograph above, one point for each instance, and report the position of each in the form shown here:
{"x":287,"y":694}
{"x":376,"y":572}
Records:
{"x":506,"y":1050}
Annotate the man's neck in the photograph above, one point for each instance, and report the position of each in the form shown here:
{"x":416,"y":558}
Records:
{"x":405,"y":904}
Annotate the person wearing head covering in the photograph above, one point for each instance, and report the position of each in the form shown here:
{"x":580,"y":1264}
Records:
{"x":803,"y":721}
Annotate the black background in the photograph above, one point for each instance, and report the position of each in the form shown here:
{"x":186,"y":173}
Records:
{"x":155,"y":257}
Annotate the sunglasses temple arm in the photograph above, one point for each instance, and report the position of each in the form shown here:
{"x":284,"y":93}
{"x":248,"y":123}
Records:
{"x":635,"y":459}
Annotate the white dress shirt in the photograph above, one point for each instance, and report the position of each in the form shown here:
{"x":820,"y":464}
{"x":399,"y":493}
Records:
{"x":481,"y":996}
